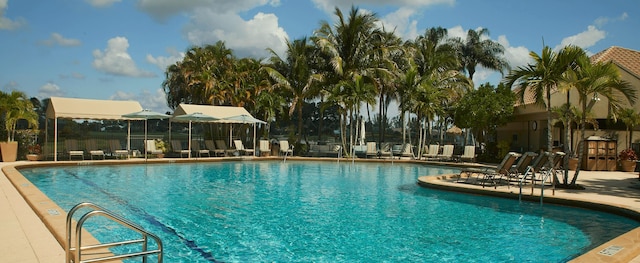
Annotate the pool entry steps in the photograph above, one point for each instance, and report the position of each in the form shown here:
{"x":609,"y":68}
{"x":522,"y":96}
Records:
{"x":74,"y":254}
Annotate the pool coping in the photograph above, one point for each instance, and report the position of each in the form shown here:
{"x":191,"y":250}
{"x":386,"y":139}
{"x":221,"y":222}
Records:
{"x":624,"y":248}
{"x":54,"y":217}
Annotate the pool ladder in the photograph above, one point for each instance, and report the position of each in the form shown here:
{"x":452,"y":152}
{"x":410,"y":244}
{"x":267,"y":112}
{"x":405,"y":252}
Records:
{"x":545,"y":174}
{"x":74,"y":254}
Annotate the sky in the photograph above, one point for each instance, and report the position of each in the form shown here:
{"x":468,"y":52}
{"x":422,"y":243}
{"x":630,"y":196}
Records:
{"x":118,"y":49}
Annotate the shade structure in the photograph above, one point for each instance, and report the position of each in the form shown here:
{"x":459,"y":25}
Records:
{"x":91,"y":109}
{"x":146,"y":115}
{"x":194,"y":117}
{"x":245,"y":118}
{"x":454,"y":130}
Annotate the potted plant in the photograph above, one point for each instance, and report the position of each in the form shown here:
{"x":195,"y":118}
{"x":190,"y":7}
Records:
{"x":35,"y":153}
{"x":161,"y":146}
{"x":628,"y":160}
{"x":15,"y":106}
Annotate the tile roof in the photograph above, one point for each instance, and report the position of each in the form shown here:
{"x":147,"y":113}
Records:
{"x":626,"y":59}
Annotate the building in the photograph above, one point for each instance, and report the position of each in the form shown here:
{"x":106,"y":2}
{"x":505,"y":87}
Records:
{"x":528,"y":130}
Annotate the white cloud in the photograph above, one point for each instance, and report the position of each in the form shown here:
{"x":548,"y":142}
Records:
{"x":515,"y":56}
{"x":246,"y":38}
{"x":153,"y":100}
{"x":162,"y":9}
{"x":58,"y":39}
{"x":601,"y":21}
{"x":329,"y":5}
{"x":7,"y":23}
{"x":102,"y":3}
{"x":401,"y":23}
{"x":584,"y":39}
{"x":116,"y":61}
{"x":164,"y":62}
{"x":50,"y":90}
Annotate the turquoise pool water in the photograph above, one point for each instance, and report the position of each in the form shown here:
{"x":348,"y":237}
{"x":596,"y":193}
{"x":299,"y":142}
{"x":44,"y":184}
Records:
{"x":268,"y":211}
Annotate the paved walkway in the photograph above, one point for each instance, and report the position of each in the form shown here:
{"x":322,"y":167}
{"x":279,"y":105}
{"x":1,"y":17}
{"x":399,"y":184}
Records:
{"x":24,"y":237}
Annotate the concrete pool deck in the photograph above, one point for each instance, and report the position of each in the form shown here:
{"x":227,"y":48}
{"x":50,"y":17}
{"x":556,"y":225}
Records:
{"x":25,"y":238}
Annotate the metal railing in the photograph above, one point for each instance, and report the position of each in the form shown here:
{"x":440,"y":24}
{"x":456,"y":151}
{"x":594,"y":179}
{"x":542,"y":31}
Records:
{"x":74,"y":254}
{"x":545,"y":174}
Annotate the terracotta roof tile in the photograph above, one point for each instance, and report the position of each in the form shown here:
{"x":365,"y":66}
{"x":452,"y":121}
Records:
{"x":626,"y":59}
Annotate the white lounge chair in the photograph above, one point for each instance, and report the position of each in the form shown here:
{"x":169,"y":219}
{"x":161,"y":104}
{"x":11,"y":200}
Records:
{"x":407,"y":151}
{"x":447,"y":153}
{"x":372,"y":149}
{"x":285,"y":149}
{"x":385,"y":150}
{"x":151,"y":147}
{"x":265,"y":148}
{"x":432,"y":152}
{"x":241,"y":149}
{"x":469,"y":153}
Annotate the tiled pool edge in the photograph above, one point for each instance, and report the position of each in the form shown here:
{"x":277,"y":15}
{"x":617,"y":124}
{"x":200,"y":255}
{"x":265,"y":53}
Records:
{"x":630,"y":241}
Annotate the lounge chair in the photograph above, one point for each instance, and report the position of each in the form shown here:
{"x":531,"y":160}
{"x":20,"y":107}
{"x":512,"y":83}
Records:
{"x":447,"y":153}
{"x":265,"y":148}
{"x":150,"y":146}
{"x":407,"y":151}
{"x":176,"y":147}
{"x":116,"y":149}
{"x":372,"y":149}
{"x":469,"y":154}
{"x":92,"y":148}
{"x":285,"y":149}
{"x":71,"y":147}
{"x":385,"y":150}
{"x":221,"y":145}
{"x":520,"y":168}
{"x":431,"y":152}
{"x":241,"y":149}
{"x":491,"y":174}
{"x":210,"y":145}
{"x":195,"y":146}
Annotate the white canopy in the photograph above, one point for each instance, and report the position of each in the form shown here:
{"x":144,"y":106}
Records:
{"x":90,"y":109}
{"x":224,"y":114}
{"x":219,"y":112}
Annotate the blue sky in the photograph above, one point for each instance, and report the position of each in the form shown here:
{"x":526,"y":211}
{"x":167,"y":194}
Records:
{"x":118,"y":49}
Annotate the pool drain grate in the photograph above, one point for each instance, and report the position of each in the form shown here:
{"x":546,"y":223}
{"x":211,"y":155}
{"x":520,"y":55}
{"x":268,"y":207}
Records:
{"x":610,"y":251}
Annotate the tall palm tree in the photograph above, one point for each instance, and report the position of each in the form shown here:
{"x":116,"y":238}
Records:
{"x":293,"y":74}
{"x":476,"y":51}
{"x":204,"y":76}
{"x":542,"y":76}
{"x":631,"y":119}
{"x":592,"y":80}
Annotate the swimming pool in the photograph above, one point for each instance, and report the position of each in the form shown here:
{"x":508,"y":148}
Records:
{"x":323,"y":212}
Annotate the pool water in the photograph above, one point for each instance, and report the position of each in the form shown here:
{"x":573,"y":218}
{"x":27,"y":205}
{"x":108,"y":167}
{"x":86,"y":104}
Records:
{"x":270,"y":211}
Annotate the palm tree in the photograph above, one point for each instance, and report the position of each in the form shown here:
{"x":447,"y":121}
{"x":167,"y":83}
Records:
{"x":592,"y":80}
{"x":631,"y":119}
{"x":539,"y":79}
{"x":204,"y":76}
{"x":294,"y":75}
{"x":475,"y":51}
{"x":354,"y":46}
{"x":16,"y":106}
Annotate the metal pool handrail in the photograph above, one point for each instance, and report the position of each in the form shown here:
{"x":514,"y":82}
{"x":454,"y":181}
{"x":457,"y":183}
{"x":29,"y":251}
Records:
{"x":99,"y":211}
